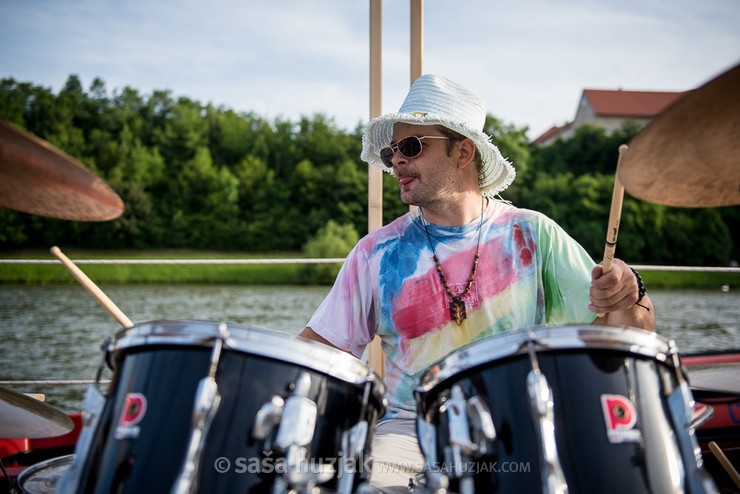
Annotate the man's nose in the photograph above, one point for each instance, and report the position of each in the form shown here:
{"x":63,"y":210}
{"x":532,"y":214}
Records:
{"x":398,"y":158}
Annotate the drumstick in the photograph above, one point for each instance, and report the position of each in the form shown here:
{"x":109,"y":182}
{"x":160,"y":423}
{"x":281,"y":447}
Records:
{"x":615,"y":216}
{"x":720,"y":455}
{"x":93,"y":289}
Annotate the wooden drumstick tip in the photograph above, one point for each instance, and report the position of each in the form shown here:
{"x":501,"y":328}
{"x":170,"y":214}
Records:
{"x":57,"y":252}
{"x":92,"y":288}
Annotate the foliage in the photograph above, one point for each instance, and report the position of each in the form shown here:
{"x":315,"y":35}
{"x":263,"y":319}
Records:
{"x":331,"y":241}
{"x":203,"y":177}
{"x":190,"y":175}
{"x":590,"y":150}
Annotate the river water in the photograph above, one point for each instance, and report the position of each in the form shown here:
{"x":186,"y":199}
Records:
{"x":55,"y":332}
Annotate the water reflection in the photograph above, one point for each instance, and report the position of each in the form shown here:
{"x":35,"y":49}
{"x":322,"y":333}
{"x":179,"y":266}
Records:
{"x":55,"y":332}
{"x":698,"y":320}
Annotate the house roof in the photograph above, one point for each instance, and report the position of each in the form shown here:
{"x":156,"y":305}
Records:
{"x":619,"y":103}
{"x":552,"y":132}
{"x":629,"y":103}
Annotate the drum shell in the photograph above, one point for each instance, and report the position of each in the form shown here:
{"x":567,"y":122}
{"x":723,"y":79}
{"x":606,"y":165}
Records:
{"x":168,"y":375}
{"x":578,"y":378}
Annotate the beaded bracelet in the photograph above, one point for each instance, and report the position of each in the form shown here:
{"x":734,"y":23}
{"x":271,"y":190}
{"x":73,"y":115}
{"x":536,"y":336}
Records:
{"x":640,"y":289}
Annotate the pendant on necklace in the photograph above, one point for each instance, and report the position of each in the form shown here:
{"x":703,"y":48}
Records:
{"x":457,"y":310}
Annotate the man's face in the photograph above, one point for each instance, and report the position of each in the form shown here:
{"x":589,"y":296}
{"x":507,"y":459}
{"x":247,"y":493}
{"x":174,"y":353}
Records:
{"x":428,"y":177}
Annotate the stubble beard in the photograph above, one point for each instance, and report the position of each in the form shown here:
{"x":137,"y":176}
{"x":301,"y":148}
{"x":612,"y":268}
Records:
{"x":430,"y":191}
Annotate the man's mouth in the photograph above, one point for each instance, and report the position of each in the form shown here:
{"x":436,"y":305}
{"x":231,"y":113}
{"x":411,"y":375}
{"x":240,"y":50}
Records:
{"x":405,"y":180}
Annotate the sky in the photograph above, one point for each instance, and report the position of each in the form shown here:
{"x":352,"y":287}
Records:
{"x":529,"y":59}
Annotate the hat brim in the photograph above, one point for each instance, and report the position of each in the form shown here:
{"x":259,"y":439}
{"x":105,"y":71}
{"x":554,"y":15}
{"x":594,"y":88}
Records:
{"x":496,"y":173}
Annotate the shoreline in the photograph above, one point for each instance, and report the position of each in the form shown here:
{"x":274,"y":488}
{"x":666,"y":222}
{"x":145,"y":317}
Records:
{"x":49,"y":271}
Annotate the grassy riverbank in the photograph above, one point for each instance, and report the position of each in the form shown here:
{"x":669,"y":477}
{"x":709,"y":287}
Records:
{"x":278,"y":274}
{"x":270,"y":274}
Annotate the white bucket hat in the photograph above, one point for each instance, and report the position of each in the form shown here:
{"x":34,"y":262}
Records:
{"x":435,"y":100}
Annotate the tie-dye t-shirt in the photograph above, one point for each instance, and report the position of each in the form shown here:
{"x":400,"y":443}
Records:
{"x":530,"y":273}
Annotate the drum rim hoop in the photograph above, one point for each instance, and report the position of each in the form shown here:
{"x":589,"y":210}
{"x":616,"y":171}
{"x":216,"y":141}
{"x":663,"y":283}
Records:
{"x":251,"y":340}
{"x":44,"y":465}
{"x":564,"y":337}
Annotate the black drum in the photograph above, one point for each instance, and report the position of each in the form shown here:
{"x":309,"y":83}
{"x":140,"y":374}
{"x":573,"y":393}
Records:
{"x":43,"y":477}
{"x":201,"y":406}
{"x":578,"y":409}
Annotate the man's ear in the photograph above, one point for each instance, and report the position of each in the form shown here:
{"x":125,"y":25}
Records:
{"x":467,"y":153}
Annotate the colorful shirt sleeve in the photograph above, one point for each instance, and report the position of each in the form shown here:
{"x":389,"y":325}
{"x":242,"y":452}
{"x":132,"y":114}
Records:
{"x":566,"y":276}
{"x":346,"y":317}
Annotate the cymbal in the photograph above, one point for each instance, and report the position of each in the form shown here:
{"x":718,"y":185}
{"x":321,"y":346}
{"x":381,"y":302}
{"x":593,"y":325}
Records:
{"x":23,"y":417}
{"x":689,"y":155}
{"x":37,"y":178}
{"x":718,"y":378}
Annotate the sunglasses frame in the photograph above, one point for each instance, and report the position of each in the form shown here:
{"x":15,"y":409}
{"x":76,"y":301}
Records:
{"x":389,"y":163}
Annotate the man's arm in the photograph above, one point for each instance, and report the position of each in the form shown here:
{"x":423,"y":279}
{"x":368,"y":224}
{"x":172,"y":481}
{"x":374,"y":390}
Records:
{"x":310,"y":334}
{"x":615,"y":295}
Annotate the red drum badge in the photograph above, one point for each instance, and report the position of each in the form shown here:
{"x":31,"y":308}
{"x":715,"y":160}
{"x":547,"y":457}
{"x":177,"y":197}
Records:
{"x":621,"y":417}
{"x":134,"y":409}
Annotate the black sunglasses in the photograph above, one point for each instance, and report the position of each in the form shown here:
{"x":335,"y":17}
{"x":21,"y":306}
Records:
{"x":410,"y":147}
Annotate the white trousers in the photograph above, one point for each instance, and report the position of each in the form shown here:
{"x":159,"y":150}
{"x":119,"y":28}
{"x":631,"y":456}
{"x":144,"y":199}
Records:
{"x":396,"y":456}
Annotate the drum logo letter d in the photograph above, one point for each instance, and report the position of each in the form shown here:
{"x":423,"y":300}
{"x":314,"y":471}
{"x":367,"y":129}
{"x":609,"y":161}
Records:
{"x":134,"y":408}
{"x":620,"y":417}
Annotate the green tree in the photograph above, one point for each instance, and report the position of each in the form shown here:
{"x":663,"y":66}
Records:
{"x":591,"y":150}
{"x":207,"y":177}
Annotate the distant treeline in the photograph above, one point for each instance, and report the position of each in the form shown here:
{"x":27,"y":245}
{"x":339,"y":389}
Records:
{"x":204,"y":177}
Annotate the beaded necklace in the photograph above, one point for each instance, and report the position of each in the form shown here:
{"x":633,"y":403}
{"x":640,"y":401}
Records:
{"x":457,"y":304}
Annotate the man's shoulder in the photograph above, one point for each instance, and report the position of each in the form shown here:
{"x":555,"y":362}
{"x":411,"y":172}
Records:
{"x":395,"y":228}
{"x":387,"y":233}
{"x":508,"y":213}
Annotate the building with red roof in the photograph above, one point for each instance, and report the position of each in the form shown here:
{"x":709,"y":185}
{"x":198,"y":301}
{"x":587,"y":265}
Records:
{"x":611,"y":109}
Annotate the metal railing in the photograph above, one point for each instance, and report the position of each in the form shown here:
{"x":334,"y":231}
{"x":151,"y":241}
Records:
{"x":177,"y":261}
{"x":639,"y":267}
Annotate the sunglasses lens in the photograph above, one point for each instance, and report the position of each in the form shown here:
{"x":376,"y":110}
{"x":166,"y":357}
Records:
{"x":410,"y":146}
{"x":386,"y":155}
